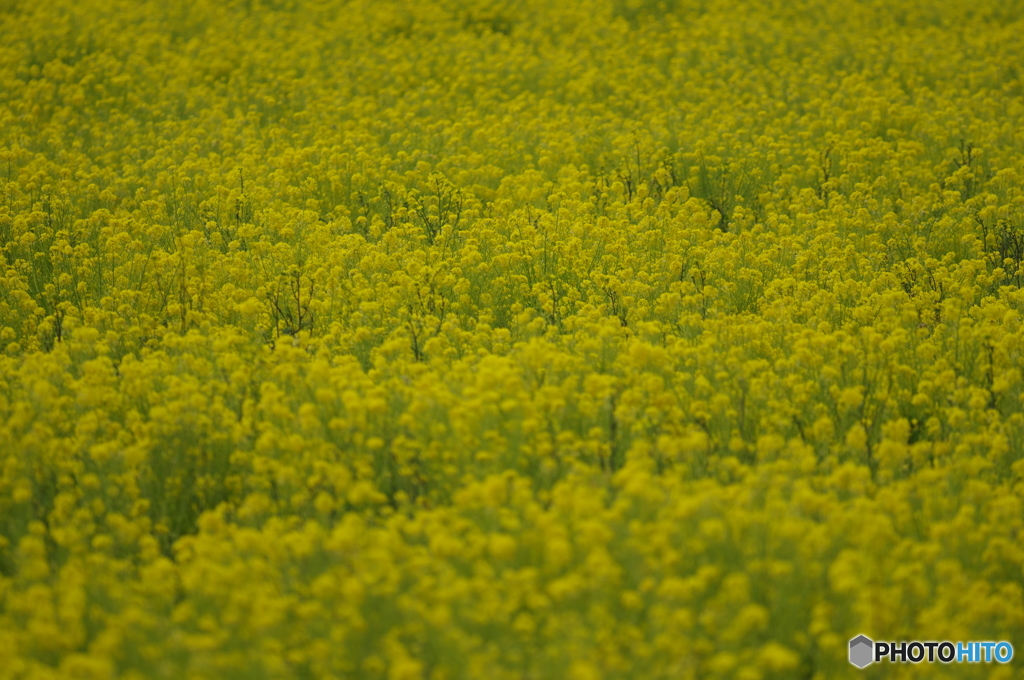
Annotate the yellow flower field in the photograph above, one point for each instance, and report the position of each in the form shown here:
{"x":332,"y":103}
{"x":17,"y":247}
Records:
{"x":459,"y":339}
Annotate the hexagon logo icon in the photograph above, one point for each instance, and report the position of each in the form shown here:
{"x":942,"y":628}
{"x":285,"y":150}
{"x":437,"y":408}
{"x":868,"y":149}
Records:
{"x":861,"y":651}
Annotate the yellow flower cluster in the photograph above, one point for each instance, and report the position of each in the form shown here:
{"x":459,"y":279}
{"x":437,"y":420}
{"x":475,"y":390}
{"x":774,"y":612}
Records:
{"x":470,"y":339}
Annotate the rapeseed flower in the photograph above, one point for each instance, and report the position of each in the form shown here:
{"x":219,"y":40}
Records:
{"x":451,"y":339}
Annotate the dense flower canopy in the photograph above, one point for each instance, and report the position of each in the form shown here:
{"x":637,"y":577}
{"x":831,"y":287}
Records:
{"x":446,"y":339}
